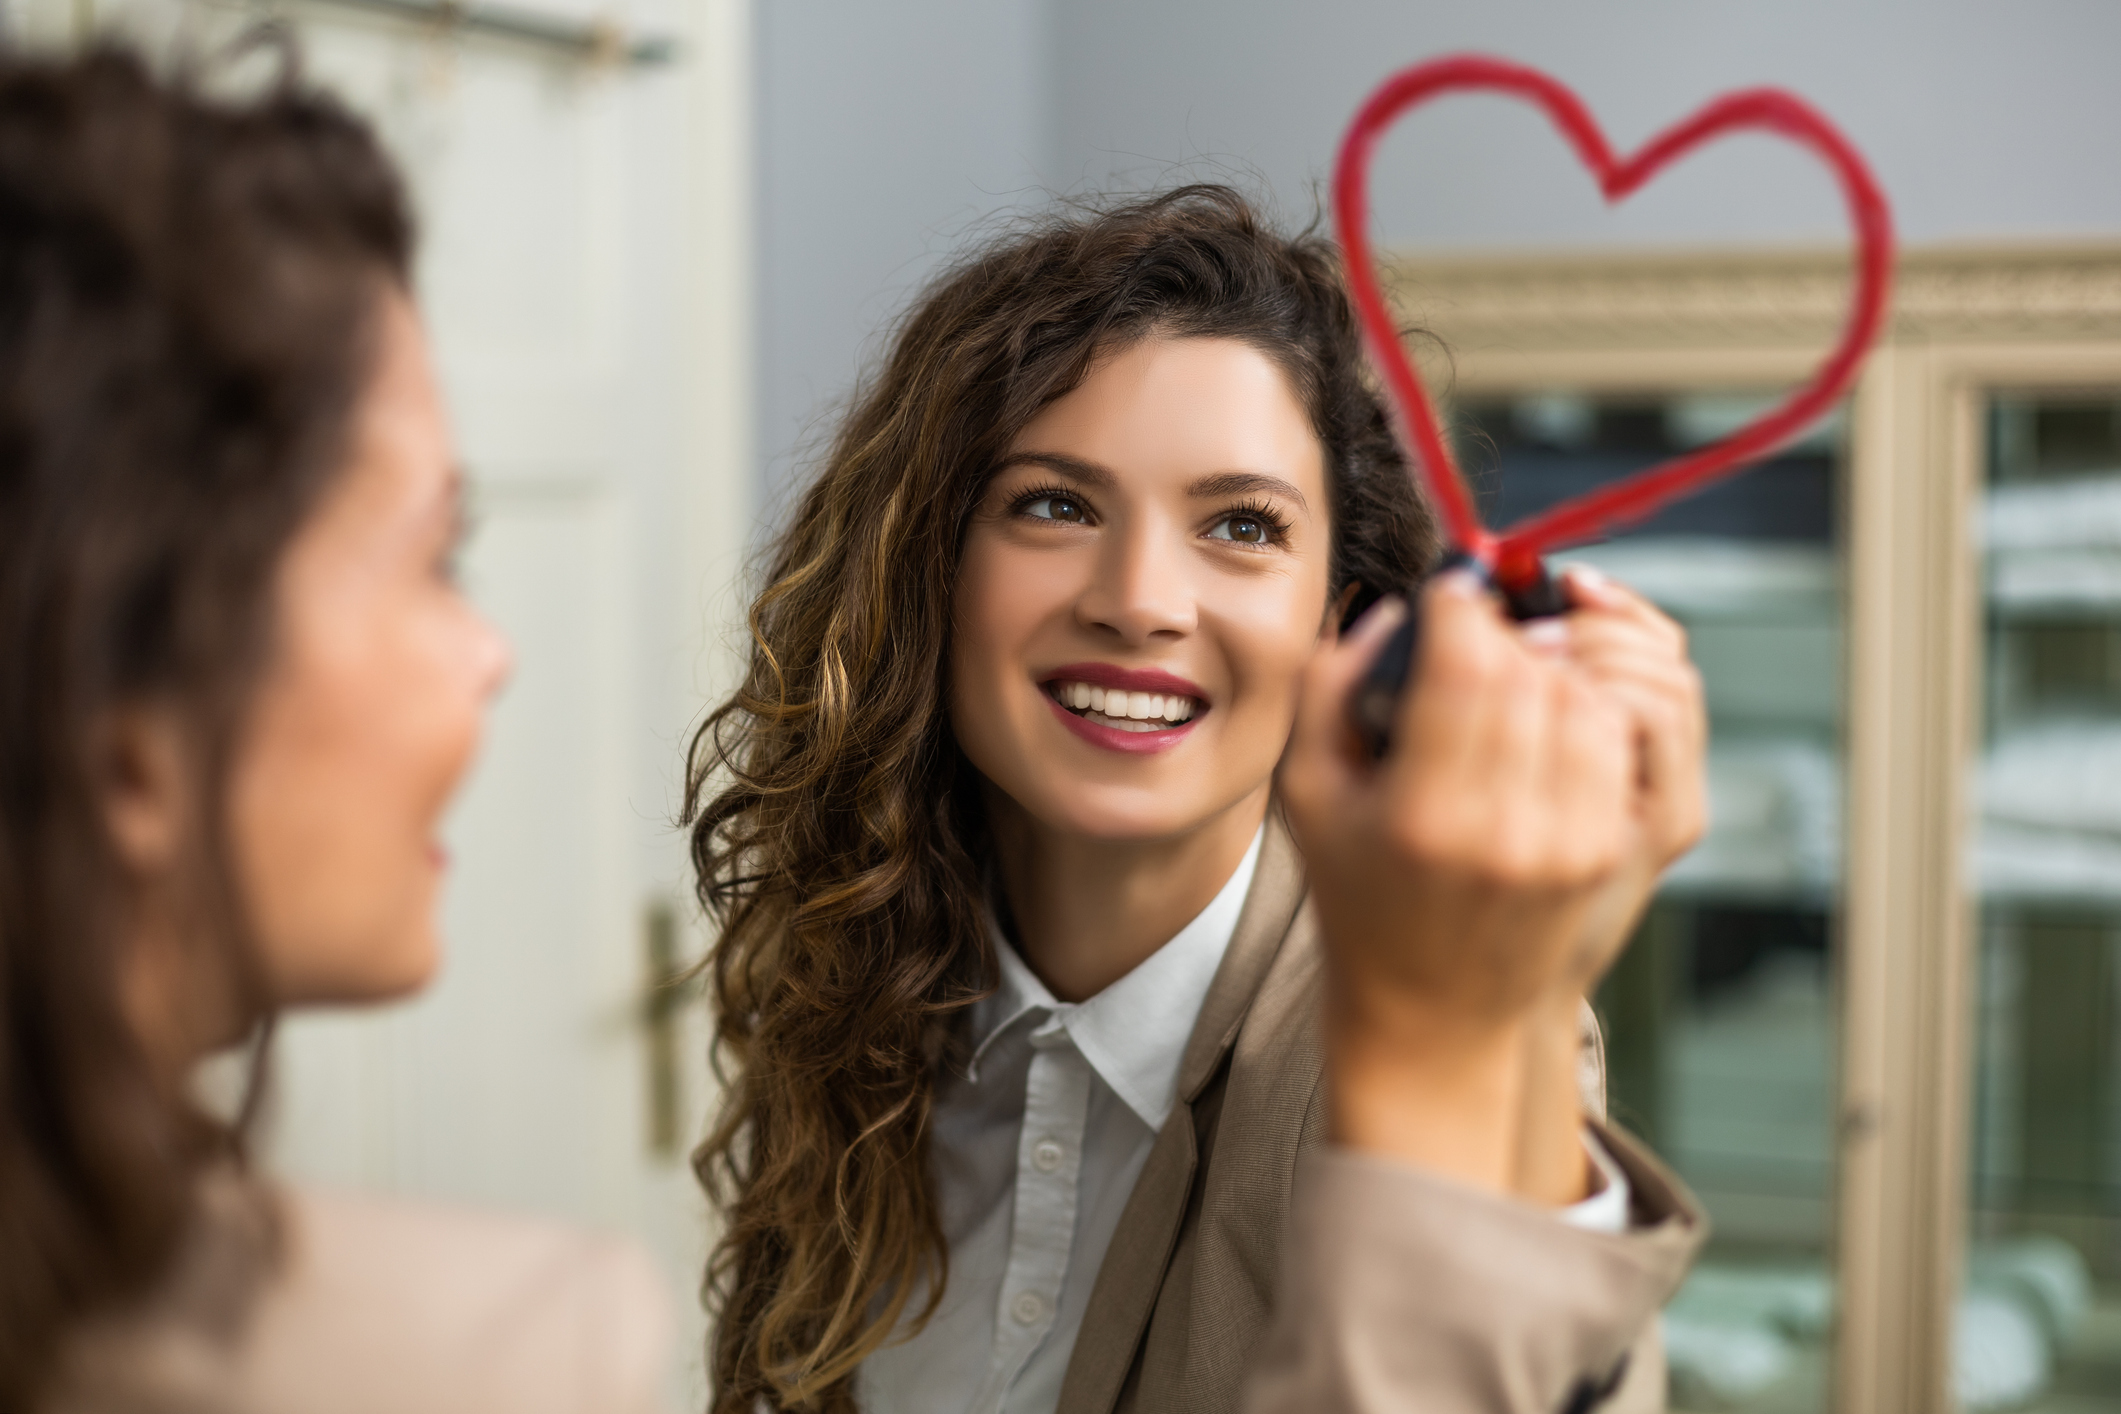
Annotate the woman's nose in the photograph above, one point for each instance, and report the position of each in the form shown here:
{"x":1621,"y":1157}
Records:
{"x":1140,"y":589}
{"x":495,"y":656}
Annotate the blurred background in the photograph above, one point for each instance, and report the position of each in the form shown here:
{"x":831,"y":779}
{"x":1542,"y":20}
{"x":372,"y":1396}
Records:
{"x":1875,"y":1020}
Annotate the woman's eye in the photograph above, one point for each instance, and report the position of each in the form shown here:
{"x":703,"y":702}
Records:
{"x":1247,"y":530}
{"x":1064,"y":508}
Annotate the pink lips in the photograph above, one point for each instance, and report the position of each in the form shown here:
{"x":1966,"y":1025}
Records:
{"x":1107,"y":676}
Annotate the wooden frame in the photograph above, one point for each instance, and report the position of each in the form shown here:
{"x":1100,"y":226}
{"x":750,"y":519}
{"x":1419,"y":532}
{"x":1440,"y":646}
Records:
{"x":1966,"y":322}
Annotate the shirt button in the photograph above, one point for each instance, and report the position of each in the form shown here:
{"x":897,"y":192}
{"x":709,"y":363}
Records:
{"x":1027,"y":1307}
{"x":1047,"y":1155}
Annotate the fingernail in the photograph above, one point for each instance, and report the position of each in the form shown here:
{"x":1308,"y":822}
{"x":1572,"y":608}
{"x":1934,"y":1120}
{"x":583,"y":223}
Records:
{"x":1589,"y":576}
{"x":1379,"y":618}
{"x":1547,"y":633}
{"x":1459,"y":584}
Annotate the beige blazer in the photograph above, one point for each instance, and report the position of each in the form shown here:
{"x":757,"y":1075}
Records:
{"x":1253,"y":1268}
{"x":384,"y":1307}
{"x":1256,"y":1267}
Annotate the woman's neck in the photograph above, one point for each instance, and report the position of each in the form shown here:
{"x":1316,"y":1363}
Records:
{"x":1089,"y":911}
{"x":174,"y":997}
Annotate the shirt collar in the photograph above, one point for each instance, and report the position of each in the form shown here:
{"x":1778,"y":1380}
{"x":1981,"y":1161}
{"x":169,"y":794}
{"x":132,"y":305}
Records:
{"x":1134,"y":1032}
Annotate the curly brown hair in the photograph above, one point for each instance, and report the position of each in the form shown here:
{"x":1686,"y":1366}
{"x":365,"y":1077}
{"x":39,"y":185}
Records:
{"x":187,"y":294}
{"x":836,"y":829}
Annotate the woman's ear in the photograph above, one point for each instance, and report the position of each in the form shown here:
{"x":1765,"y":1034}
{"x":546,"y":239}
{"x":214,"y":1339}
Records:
{"x":144,"y":787}
{"x":1343,"y":608}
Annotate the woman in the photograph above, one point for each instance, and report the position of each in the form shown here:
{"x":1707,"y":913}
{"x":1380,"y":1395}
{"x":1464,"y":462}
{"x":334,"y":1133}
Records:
{"x":238,"y":685}
{"x":1018,"y":966}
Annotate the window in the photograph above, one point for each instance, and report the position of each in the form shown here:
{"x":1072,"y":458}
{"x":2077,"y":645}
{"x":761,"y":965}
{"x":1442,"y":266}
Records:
{"x":1721,"y":1014}
{"x":2038,"y":1323}
{"x":1876,"y":1019}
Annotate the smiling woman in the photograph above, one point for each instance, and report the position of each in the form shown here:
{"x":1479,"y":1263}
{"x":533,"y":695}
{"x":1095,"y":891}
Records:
{"x":847,"y":851}
{"x":1018,"y":967}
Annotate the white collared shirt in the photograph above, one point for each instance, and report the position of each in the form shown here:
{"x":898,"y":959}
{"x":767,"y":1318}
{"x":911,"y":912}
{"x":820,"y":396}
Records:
{"x":1036,"y":1149}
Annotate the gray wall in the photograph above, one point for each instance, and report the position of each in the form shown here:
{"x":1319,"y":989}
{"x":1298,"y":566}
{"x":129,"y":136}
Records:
{"x":1983,"y":118}
{"x":886,"y":129}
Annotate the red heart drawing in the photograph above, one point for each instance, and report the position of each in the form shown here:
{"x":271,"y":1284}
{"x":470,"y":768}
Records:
{"x":1513,"y":555}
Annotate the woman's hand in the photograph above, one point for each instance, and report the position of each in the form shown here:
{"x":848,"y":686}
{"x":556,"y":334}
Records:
{"x":1634,"y":651}
{"x":1475,"y":883}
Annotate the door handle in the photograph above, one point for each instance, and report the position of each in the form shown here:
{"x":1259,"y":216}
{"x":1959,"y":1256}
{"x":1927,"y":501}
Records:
{"x":672,"y":985}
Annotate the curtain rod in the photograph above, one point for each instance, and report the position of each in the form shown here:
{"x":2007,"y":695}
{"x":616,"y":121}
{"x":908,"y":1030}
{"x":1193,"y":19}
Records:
{"x":593,"y":41}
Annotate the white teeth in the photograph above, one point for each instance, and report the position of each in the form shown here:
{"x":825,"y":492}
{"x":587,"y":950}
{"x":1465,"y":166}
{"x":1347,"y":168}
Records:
{"x":1123,"y":724}
{"x":1128,"y":711}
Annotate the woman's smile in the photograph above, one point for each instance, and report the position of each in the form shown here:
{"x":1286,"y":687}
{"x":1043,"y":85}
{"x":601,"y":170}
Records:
{"x":1125,"y":709}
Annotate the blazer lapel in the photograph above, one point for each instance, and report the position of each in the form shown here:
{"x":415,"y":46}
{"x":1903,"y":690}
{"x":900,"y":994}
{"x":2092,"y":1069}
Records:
{"x":1277,"y":892}
{"x":1133,"y":1271}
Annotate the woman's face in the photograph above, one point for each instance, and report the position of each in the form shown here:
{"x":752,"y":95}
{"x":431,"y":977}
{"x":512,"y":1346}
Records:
{"x":370,"y":708}
{"x":1142,"y":581}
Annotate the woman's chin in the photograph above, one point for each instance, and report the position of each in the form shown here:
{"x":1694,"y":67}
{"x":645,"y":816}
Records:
{"x":1076,"y":790}
{"x":408,"y":970}
{"x":387,"y":972}
{"x":1128,"y":814}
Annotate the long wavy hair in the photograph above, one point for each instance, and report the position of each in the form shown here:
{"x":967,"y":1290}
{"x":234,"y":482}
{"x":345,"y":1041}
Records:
{"x":187,"y":298}
{"x":837,"y":831}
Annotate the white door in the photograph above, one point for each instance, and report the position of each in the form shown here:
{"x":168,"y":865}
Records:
{"x":581,"y":271}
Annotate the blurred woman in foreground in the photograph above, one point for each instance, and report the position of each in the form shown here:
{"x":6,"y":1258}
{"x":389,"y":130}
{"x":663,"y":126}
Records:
{"x":238,"y":686}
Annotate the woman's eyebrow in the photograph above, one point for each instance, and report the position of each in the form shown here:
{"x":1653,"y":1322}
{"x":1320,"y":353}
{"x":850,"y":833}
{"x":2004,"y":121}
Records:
{"x":1090,"y":473}
{"x":1237,"y":483}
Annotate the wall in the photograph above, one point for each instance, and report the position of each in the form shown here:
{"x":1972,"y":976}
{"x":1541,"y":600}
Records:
{"x":884,"y":131}
{"x":1984,"y":120}
{"x":882,"y":137}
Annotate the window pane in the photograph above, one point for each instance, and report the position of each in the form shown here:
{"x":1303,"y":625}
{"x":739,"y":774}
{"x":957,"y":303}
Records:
{"x":2039,"y":1321}
{"x":1720,"y":1017}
